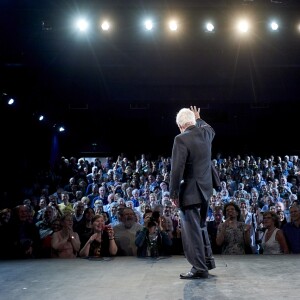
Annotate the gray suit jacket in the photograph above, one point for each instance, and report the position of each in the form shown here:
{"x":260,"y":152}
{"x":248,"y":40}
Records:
{"x":191,"y":173}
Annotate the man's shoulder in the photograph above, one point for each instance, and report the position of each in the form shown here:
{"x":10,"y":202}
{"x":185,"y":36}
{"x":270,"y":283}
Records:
{"x":118,"y":226}
{"x":287,"y":226}
{"x":121,"y":227}
{"x":137,"y":226}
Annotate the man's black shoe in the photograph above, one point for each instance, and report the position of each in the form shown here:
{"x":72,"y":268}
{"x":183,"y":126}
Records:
{"x":210,"y":263}
{"x":197,"y":275}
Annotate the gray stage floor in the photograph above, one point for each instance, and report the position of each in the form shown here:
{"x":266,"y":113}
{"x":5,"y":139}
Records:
{"x":129,"y":278}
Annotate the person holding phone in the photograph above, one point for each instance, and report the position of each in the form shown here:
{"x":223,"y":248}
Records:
{"x":101,"y":242}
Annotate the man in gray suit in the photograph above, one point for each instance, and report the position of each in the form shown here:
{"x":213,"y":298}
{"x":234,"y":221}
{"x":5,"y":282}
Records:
{"x":191,"y":187}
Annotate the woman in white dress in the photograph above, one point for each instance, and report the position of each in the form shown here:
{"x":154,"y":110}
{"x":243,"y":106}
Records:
{"x":273,"y":240}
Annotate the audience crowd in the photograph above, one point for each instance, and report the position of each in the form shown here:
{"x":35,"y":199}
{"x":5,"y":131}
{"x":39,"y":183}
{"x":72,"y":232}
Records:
{"x":93,"y":209}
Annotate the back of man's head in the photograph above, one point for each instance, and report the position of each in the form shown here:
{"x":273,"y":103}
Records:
{"x":185,"y":117}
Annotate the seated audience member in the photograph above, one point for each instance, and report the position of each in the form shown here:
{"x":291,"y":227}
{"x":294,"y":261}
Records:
{"x":23,"y":235}
{"x":121,"y":203}
{"x":291,"y":230}
{"x":153,"y":240}
{"x":5,"y":216}
{"x":78,"y":214}
{"x":68,"y":186}
{"x":273,"y":240}
{"x":167,"y":214}
{"x":74,"y":194}
{"x":65,"y":206}
{"x":279,"y":206}
{"x":101,"y":196}
{"x":84,"y":227}
{"x":233,"y":235}
{"x":94,"y":194}
{"x":135,"y":198}
{"x":163,"y":189}
{"x":45,"y":230}
{"x":85,"y":200}
{"x":165,"y":197}
{"x":65,"y":242}
{"x":212,"y":229}
{"x":249,"y":218}
{"x":282,"y":219}
{"x":39,"y":213}
{"x":125,"y":232}
{"x":57,"y":195}
{"x":101,"y":243}
{"x":113,"y":215}
{"x":53,"y":203}
{"x":153,"y":200}
{"x":46,"y":249}
{"x":98,"y":208}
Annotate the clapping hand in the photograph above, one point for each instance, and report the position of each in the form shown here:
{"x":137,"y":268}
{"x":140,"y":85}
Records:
{"x":163,"y":224}
{"x":175,"y":202}
{"x":93,"y":237}
{"x":110,"y":231}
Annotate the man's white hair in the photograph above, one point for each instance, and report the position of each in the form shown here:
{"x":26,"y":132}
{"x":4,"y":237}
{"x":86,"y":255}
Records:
{"x":185,"y":117}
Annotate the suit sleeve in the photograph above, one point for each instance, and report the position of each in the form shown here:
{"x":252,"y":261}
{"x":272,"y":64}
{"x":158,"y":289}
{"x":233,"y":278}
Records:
{"x":179,"y":155}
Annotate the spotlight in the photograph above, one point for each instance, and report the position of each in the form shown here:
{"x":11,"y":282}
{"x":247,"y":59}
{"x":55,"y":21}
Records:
{"x":274,"y":25}
{"x":105,"y":25}
{"x":8,"y":99}
{"x":148,"y":24}
{"x":11,"y":101}
{"x":243,"y":26}
{"x":82,"y":25}
{"x":173,"y":25}
{"x":59,"y":128}
{"x":210,"y":27}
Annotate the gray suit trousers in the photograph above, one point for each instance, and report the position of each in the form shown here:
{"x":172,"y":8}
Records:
{"x":192,"y":238}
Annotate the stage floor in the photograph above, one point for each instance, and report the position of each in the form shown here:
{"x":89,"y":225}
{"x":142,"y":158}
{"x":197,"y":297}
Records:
{"x":129,"y":278}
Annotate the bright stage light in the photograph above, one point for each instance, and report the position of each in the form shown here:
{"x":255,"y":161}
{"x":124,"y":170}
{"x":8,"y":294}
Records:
{"x":210,"y":27}
{"x":173,"y":25}
{"x":274,"y":25}
{"x":148,"y":24}
{"x":243,"y":26}
{"x":82,"y":25}
{"x":105,"y":25}
{"x":11,"y":101}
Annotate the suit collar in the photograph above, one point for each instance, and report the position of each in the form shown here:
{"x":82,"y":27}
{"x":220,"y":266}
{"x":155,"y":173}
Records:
{"x":190,"y":128}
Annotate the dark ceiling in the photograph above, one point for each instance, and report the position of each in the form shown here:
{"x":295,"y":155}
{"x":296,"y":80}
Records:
{"x":120,"y":92}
